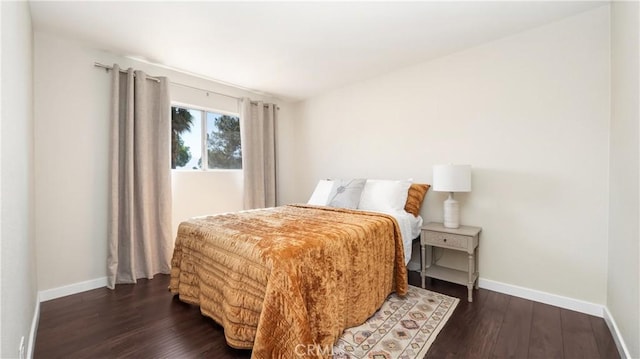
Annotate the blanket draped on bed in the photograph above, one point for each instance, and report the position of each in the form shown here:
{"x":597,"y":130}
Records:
{"x":286,"y":281}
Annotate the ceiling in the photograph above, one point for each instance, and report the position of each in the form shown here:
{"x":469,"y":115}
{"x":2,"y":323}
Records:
{"x":293,"y":50}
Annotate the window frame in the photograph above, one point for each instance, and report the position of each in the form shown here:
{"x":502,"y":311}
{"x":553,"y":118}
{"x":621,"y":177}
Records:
{"x":203,"y":137}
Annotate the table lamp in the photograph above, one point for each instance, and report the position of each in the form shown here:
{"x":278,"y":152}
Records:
{"x":451,"y":178}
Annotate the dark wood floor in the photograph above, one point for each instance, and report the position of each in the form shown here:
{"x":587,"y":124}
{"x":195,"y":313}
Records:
{"x":145,"y":321}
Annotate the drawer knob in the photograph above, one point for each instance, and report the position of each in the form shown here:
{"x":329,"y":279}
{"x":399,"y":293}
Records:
{"x":445,"y":239}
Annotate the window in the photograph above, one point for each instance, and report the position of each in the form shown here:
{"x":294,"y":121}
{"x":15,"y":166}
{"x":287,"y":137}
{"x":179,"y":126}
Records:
{"x":202,"y":140}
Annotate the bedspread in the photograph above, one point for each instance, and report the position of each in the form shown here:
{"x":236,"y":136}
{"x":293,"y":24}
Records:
{"x":286,"y":281}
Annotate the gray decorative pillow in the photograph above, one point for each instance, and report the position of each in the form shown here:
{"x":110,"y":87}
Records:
{"x":346,"y":193}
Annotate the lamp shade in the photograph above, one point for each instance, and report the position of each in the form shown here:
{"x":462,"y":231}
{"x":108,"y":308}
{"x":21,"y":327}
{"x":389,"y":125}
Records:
{"x":452,"y":178}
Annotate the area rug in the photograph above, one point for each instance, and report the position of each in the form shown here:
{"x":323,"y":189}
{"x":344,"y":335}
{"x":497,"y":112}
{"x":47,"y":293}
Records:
{"x":403,"y":328}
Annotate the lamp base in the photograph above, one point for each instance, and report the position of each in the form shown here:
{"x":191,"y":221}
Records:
{"x":451,"y":212}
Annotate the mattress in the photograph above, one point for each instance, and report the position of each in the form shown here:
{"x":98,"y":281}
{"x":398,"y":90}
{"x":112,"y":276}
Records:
{"x":410,"y":227}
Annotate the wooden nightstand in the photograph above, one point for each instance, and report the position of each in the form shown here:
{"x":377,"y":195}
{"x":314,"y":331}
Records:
{"x":464,"y":239}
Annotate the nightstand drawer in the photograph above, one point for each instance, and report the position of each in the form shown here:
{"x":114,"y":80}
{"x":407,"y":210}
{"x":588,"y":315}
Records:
{"x":445,"y":239}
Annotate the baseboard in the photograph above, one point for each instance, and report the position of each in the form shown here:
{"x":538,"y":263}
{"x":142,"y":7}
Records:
{"x":34,"y":328}
{"x":74,"y":288}
{"x":615,"y":333}
{"x":543,"y":297}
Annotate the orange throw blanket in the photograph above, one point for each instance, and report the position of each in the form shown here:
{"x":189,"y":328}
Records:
{"x":286,"y":281}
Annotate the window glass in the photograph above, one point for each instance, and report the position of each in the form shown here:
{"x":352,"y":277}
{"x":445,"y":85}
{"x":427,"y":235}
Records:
{"x":223,"y":141}
{"x":221,"y":135}
{"x":186,"y":138}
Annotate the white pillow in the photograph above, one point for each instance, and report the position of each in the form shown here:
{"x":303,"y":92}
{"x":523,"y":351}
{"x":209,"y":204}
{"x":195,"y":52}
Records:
{"x":320,"y":196}
{"x":346,"y":193}
{"x":384,"y":195}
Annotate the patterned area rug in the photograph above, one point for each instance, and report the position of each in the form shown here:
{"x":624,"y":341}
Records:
{"x":403,"y":328}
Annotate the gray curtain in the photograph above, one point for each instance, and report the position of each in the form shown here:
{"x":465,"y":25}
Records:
{"x":257,"y":130}
{"x":139,"y":231}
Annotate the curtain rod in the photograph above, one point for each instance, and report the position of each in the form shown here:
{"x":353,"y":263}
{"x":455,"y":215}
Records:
{"x":107,"y":68}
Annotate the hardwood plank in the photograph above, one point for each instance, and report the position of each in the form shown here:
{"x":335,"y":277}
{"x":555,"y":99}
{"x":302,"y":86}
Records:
{"x":473,"y":328}
{"x":545,"y":340}
{"x":449,"y":342}
{"x":485,"y":331}
{"x":577,"y":335}
{"x":606,"y":345}
{"x":513,"y":339}
{"x":146,"y":321}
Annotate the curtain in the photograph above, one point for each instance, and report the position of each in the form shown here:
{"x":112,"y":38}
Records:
{"x":257,"y":131}
{"x":139,"y":231}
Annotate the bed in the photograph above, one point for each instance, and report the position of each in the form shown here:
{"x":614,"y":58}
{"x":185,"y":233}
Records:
{"x":283,"y":279}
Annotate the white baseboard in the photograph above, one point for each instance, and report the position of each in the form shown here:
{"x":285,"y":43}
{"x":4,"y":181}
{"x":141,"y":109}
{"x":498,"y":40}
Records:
{"x":34,"y":328}
{"x":615,"y":333}
{"x":74,"y":288}
{"x":543,"y":297}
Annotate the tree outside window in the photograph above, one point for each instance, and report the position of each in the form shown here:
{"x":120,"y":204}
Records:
{"x":181,"y":122}
{"x":221,"y":140}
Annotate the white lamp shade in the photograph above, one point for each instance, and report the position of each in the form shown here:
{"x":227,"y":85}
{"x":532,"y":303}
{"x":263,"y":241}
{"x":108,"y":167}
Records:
{"x":452,"y":178}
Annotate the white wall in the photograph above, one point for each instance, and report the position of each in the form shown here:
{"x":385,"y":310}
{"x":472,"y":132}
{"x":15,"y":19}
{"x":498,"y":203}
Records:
{"x":198,"y":193}
{"x":623,"y":285}
{"x":529,"y":112}
{"x":71,"y":152}
{"x":19,"y":294}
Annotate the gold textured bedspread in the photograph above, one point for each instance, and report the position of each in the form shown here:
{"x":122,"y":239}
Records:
{"x":288,"y":280}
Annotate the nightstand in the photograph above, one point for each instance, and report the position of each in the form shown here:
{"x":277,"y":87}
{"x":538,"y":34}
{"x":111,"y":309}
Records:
{"x":464,"y":238}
